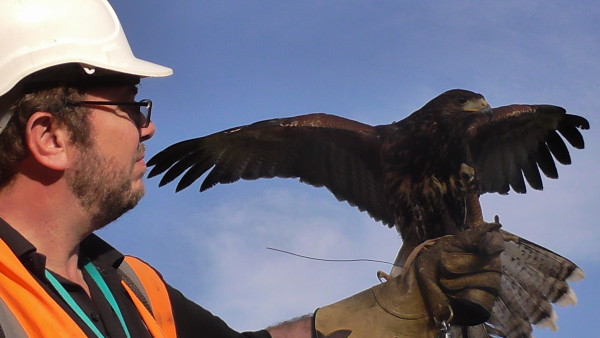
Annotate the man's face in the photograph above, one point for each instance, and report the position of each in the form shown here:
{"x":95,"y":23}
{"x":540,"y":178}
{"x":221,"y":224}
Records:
{"x":107,"y":177}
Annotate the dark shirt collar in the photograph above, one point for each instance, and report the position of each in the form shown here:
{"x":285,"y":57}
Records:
{"x":20,"y":246}
{"x":96,"y":249}
{"x":92,"y":247}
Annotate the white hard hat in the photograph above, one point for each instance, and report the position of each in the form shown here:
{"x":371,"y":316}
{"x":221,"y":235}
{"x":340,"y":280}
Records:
{"x":38,"y":34}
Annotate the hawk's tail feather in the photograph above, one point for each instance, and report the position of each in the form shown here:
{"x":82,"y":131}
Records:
{"x":576,"y":276}
{"x":569,"y":298}
{"x":540,"y":258}
{"x":533,"y":279}
{"x":506,"y":324}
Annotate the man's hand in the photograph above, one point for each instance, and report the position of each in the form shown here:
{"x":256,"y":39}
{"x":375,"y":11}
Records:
{"x":455,"y":280}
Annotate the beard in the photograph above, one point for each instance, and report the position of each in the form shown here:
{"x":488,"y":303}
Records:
{"x":103,"y":189}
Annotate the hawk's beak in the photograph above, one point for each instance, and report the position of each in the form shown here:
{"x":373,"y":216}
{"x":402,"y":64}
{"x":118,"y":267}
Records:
{"x":479,"y":105}
{"x":487,"y":110}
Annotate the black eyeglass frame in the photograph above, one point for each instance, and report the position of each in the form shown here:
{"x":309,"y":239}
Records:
{"x":141,"y":103}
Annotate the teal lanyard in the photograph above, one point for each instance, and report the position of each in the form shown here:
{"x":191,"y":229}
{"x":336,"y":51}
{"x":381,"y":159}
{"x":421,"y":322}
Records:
{"x":89,"y":267}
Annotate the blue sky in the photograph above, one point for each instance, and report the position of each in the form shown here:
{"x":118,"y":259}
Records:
{"x":237,"y":62}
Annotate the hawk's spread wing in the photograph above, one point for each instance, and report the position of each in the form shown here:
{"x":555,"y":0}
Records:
{"x":320,"y":149}
{"x":518,"y":141}
{"x":347,"y":157}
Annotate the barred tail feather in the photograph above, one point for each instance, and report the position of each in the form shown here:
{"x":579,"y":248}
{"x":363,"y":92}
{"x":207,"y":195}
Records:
{"x":523,"y":304}
{"x":569,"y":298}
{"x":506,"y":323}
{"x":536,"y":282}
{"x":576,"y":276}
{"x":538,"y":257}
{"x":533,"y":279}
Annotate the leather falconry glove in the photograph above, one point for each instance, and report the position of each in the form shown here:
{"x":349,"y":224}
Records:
{"x":453,"y":281}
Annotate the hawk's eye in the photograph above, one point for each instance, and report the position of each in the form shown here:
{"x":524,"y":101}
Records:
{"x":461,"y":100}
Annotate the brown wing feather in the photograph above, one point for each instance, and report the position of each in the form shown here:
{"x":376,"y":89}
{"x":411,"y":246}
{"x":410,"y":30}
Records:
{"x":320,"y":149}
{"x":521,"y":140}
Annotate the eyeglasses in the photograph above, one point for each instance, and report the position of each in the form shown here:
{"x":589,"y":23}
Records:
{"x":139,"y":116}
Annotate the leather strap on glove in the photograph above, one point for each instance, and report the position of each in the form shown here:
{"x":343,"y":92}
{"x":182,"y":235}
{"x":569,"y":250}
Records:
{"x":455,"y":280}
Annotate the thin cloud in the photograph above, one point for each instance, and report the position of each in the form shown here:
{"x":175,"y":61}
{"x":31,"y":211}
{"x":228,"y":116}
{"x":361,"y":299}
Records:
{"x":257,"y":286}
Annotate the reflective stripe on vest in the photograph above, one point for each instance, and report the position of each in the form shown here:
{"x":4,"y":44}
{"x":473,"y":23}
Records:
{"x":152,"y":286}
{"x":27,"y":310}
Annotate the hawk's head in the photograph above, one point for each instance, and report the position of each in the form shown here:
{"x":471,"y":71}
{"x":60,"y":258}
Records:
{"x":458,"y":103}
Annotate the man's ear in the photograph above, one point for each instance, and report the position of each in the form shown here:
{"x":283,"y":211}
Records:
{"x":48,"y":141}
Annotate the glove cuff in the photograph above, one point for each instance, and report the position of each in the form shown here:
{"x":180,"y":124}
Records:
{"x":370,"y":314}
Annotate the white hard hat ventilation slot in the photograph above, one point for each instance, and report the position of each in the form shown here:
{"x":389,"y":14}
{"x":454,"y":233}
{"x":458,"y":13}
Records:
{"x":89,"y":70}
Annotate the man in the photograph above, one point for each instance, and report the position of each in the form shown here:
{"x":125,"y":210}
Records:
{"x":72,"y":162}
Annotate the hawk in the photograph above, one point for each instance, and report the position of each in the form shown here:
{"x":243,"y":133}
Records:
{"x":422,"y":175}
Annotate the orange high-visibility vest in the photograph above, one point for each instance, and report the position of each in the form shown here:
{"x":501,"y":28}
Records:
{"x":27,"y":310}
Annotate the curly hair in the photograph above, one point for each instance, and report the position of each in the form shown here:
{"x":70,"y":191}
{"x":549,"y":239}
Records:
{"x":13,"y":149}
